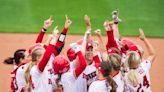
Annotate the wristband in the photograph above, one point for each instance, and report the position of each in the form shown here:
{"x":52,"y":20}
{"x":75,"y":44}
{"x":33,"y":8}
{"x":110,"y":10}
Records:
{"x":44,"y":30}
{"x":86,"y":35}
{"x":62,"y":37}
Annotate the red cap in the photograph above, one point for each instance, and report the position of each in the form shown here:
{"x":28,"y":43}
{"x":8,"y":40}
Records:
{"x":126,"y":45}
{"x":71,"y":54}
{"x":135,"y":48}
{"x":60,"y":64}
{"x":89,"y":45}
{"x":127,"y":42}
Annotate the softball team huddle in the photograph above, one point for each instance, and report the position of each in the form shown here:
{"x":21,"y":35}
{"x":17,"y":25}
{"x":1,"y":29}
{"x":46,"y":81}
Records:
{"x":90,"y":65}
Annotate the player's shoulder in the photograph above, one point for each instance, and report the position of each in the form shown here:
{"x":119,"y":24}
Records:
{"x":146,"y":64}
{"x":35,"y":71}
{"x":98,"y":83}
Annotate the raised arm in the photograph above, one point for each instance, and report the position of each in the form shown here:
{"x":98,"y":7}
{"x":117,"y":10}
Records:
{"x":116,"y":20}
{"x":82,"y":64}
{"x":111,"y":42}
{"x":151,"y":51}
{"x":101,"y":43}
{"x":82,"y":47}
{"x":47,"y":24}
{"x":88,"y":26}
{"x":86,"y":37}
{"x":55,"y":49}
{"x":46,"y":56}
{"x":55,"y":33}
{"x":61,"y":40}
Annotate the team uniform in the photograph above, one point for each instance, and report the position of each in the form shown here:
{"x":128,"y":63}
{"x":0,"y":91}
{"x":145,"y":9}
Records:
{"x":16,"y":84}
{"x":100,"y":86}
{"x":86,"y":78}
{"x":41,"y":81}
{"x":119,"y":81}
{"x":20,"y":80}
{"x":41,"y":74}
{"x":144,"y":78}
{"x":68,"y":74}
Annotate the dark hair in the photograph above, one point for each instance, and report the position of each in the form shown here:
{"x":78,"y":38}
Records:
{"x":20,"y":53}
{"x":58,"y":80}
{"x":115,"y":61}
{"x":107,"y":67}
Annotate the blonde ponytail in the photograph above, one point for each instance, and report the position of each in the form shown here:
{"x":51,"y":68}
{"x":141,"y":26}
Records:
{"x":133,"y":77}
{"x":37,"y":52}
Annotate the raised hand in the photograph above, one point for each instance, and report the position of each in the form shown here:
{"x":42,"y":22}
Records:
{"x":98,"y":32}
{"x":67,"y":22}
{"x":108,"y":25}
{"x":87,"y":22}
{"x":55,"y":32}
{"x":142,"y":35}
{"x":48,"y":23}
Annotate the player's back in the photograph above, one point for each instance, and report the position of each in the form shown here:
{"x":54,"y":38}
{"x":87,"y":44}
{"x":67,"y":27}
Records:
{"x":41,"y":81}
{"x":68,"y":82}
{"x":144,"y":78}
{"x":119,"y":81}
{"x":99,"y":86}
{"x":86,"y":78}
{"x":20,"y":80}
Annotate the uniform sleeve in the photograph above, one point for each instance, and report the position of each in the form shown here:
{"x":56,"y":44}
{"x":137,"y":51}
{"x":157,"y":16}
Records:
{"x":146,"y":64}
{"x":111,"y":42}
{"x":82,"y":64}
{"x":61,"y":40}
{"x":97,"y":60}
{"x":40,"y":37}
{"x":46,"y":57}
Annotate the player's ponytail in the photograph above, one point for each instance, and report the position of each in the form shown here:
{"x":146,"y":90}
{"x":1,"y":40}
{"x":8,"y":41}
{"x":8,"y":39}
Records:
{"x":27,"y":75}
{"x":107,"y":67}
{"x":37,"y":52}
{"x":58,"y":80}
{"x":19,"y":54}
{"x":112,"y":83}
{"x":9,"y":60}
{"x":59,"y":87}
{"x":133,"y":77}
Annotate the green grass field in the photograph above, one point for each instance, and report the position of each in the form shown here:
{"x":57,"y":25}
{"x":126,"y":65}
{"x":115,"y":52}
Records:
{"x":27,"y":16}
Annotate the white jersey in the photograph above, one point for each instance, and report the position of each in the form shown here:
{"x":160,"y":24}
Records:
{"x":144,"y":78}
{"x":100,"y":86}
{"x":68,"y":82}
{"x":86,"y":78}
{"x":119,"y":81}
{"x":43,"y":81}
{"x":20,"y":80}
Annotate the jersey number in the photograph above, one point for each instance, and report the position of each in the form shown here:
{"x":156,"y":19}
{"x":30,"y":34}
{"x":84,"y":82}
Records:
{"x":145,"y":84}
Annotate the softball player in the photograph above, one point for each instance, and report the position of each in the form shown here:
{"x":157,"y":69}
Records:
{"x":138,"y":78}
{"x":38,"y":76}
{"x":105,"y":83}
{"x":67,"y":76}
{"x":18,"y":60}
